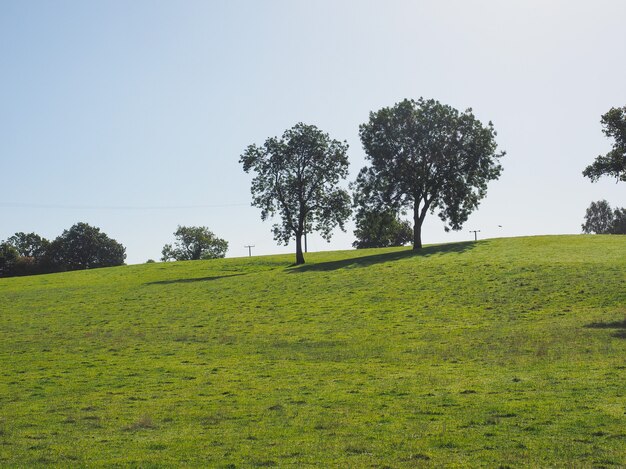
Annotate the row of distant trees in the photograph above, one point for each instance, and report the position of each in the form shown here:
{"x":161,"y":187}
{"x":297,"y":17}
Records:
{"x":80,"y":247}
{"x":86,"y":247}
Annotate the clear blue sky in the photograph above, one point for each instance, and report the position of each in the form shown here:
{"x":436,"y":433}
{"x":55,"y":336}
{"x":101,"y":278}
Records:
{"x":113,"y":112}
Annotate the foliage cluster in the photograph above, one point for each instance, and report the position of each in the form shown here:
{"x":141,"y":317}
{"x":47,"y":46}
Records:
{"x":601,"y":219}
{"x":380,"y":229}
{"x":613,"y":164}
{"x":81,"y":247}
{"x":194,"y":243}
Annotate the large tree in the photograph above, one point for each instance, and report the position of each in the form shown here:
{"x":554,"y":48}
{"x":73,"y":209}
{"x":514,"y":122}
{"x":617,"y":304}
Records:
{"x":612,"y":164}
{"x":85,"y":247}
{"x":297,"y":176}
{"x":193,"y":243}
{"x":426,"y":156}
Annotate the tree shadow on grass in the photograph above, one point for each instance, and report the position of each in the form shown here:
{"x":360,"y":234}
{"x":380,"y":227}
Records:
{"x":366,"y":261}
{"x":192,"y":280}
{"x":620,"y":325}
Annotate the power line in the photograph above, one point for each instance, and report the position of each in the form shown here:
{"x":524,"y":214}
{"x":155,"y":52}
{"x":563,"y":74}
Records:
{"x":117,"y":207}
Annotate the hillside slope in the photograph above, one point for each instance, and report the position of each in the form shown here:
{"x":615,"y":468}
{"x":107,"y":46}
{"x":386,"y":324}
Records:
{"x":501,"y":352}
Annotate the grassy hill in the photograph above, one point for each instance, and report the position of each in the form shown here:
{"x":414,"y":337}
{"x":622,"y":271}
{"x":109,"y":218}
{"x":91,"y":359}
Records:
{"x":503,"y":352}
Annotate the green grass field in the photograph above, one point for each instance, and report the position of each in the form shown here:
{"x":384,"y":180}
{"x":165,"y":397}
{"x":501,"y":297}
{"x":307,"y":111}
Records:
{"x":506,"y":352}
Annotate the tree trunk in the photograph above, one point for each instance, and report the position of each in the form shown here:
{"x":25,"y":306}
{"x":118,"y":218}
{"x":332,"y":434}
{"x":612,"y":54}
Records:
{"x":417,"y":230}
{"x":299,"y":255}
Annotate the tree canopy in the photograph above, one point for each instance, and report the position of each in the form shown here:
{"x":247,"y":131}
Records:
{"x":297,"y":177}
{"x":427,"y":156}
{"x":619,"y":221}
{"x":85,"y":247}
{"x":8,"y":259}
{"x":81,"y":247}
{"x":600,"y":218}
{"x":194,"y":243}
{"x":29,"y":244}
{"x":380,"y":229}
{"x":613,"y":164}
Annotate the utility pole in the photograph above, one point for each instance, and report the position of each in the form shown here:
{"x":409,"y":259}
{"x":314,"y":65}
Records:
{"x":475,"y":234}
{"x":249,"y":250}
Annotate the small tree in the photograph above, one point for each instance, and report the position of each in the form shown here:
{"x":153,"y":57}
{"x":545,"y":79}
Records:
{"x":424,"y":156}
{"x":297,"y":176}
{"x":601,"y":219}
{"x":598,"y":218}
{"x":619,"y":221}
{"x":85,"y":247}
{"x":8,"y":259}
{"x":29,"y":245}
{"x":193,"y":243}
{"x":614,"y":162}
{"x":380,"y":229}
{"x":33,"y":253}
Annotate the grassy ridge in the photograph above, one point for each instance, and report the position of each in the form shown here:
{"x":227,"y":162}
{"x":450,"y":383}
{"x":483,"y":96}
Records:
{"x":501,"y":352}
